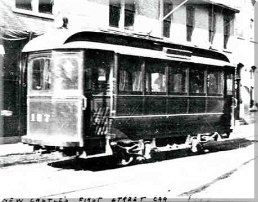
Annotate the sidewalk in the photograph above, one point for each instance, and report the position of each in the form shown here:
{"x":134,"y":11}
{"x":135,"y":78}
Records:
{"x":241,"y":131}
{"x":17,"y":148}
{"x":245,"y":131}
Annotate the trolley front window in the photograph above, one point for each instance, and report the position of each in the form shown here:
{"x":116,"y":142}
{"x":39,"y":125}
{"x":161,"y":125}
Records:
{"x":41,"y":74}
{"x":66,"y":73}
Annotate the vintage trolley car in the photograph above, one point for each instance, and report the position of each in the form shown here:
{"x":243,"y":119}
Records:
{"x":93,"y":93}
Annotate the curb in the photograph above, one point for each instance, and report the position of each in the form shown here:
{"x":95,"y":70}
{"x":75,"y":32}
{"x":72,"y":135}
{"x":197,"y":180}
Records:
{"x":241,"y":131}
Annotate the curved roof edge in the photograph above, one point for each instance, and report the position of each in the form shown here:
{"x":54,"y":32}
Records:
{"x":60,"y":38}
{"x":50,"y":40}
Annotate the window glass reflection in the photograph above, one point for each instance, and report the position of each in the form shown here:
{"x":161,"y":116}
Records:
{"x":196,"y":80}
{"x":178,"y":80}
{"x":66,"y":74}
{"x":214,"y":82}
{"x":130,"y":75}
{"x":41,"y":74}
{"x":229,"y":83}
{"x":97,"y":71}
{"x":155,"y":77}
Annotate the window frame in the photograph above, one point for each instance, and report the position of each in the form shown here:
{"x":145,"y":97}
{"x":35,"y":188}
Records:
{"x":123,"y":11}
{"x":221,"y":80}
{"x":49,"y":4}
{"x":166,"y":68}
{"x":79,"y":54}
{"x":32,"y":58}
{"x":167,"y":7}
{"x":212,"y":23}
{"x":228,"y":26}
{"x":130,"y":92}
{"x":131,"y":11}
{"x":16,"y":3}
{"x":229,"y":89}
{"x":158,"y":63}
{"x":97,"y":86}
{"x":34,"y":12}
{"x":190,"y":22}
{"x":180,"y":67}
{"x":203,"y":70}
{"x":116,"y":7}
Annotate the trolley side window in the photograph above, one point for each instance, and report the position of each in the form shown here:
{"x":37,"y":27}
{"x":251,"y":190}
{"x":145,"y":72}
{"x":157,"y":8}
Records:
{"x":177,"y":80}
{"x":214,"y":82}
{"x":41,"y":74}
{"x":155,"y":77}
{"x":97,"y":71}
{"x":130,"y":75}
{"x":229,"y":84}
{"x":196,"y":81}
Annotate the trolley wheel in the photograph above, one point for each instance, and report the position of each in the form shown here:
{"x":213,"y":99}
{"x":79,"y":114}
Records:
{"x":227,"y":134}
{"x":124,"y":159}
{"x":127,"y":161}
{"x":196,"y":146}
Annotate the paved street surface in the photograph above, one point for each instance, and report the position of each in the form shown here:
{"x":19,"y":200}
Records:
{"x":227,"y":171}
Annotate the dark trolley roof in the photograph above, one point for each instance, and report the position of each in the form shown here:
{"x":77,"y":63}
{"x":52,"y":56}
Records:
{"x":125,"y":43}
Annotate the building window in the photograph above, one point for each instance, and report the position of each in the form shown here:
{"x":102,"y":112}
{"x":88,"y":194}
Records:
{"x":228,"y":26}
{"x":212,"y":23}
{"x":36,"y":6}
{"x":129,"y":15}
{"x":121,"y":14}
{"x":114,"y":14}
{"x":167,"y":7}
{"x":23,"y":4}
{"x":45,"y":6}
{"x":189,"y":22}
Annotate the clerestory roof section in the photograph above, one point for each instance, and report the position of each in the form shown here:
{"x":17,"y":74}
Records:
{"x":62,"y":39}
